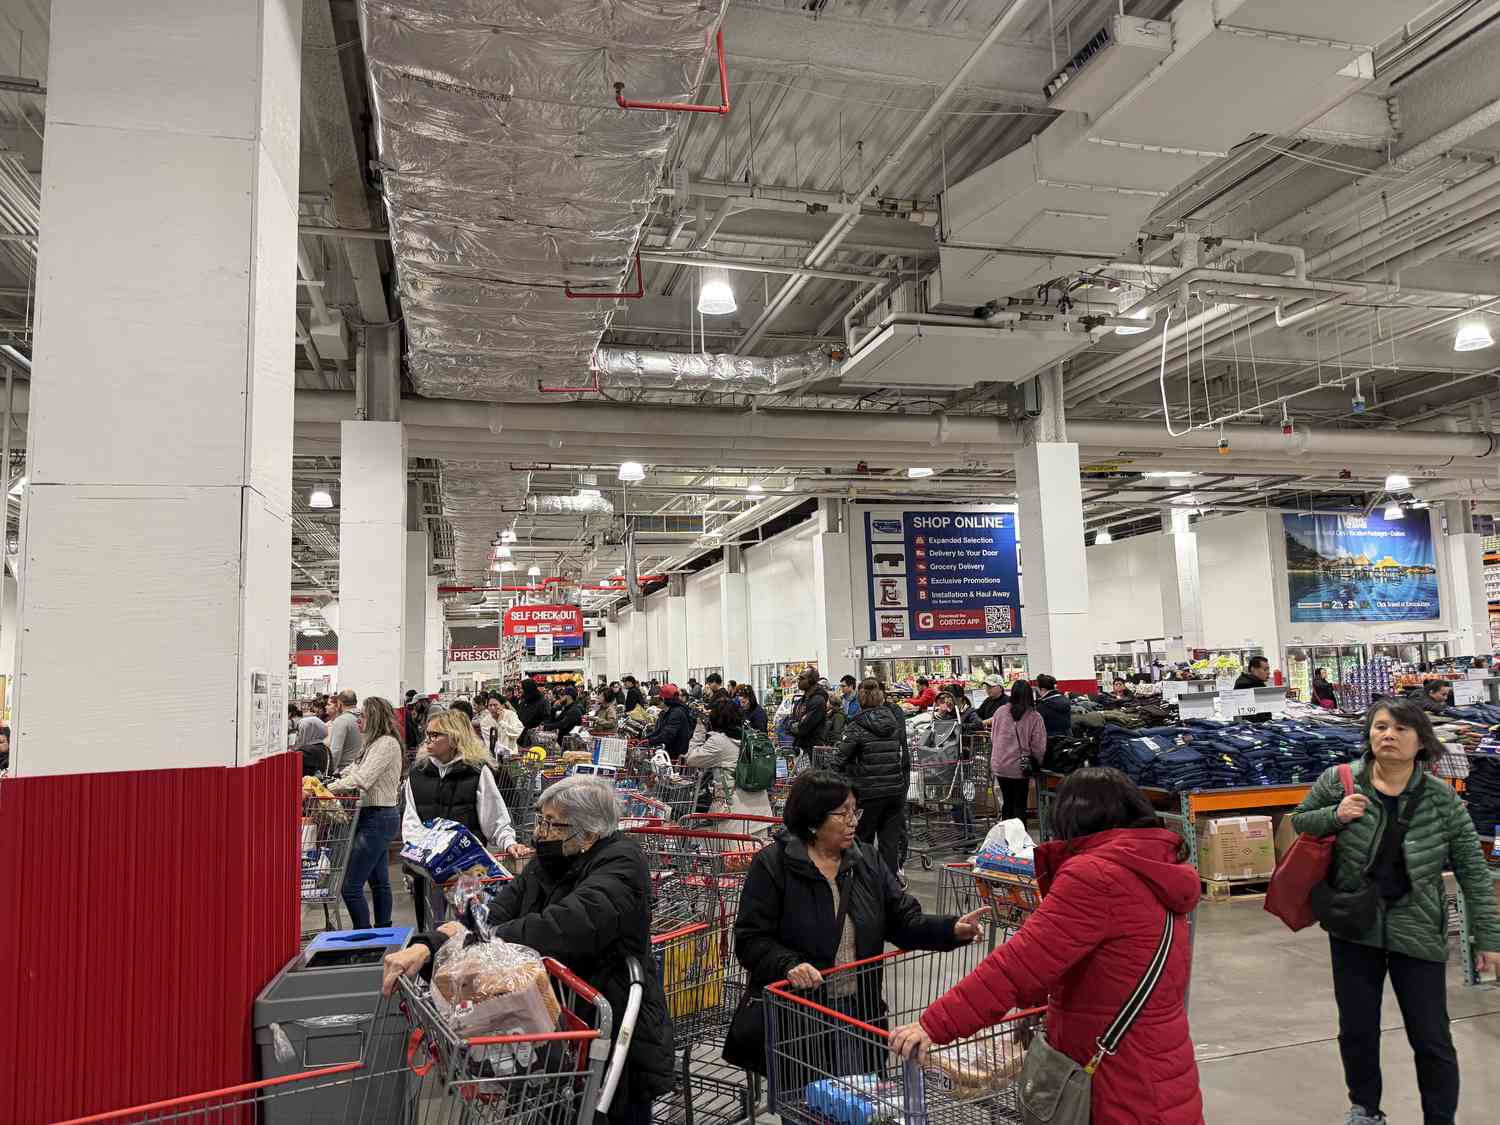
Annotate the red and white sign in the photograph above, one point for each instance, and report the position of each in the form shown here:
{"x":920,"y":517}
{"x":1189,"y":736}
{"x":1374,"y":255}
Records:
{"x":950,"y":620}
{"x":317,"y":658}
{"x":474,"y":654}
{"x":544,"y":621}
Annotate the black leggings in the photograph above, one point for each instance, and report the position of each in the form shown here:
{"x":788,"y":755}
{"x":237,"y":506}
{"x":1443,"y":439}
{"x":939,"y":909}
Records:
{"x":884,"y":820}
{"x":1421,"y":988}
{"x":1015,"y":795}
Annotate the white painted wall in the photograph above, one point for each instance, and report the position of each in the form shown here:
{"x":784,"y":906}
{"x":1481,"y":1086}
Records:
{"x":1235,"y":576}
{"x":705,"y":629}
{"x":1124,"y":592}
{"x":783,"y":603}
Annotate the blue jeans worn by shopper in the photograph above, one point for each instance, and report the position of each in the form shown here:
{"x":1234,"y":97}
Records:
{"x":369,"y":862}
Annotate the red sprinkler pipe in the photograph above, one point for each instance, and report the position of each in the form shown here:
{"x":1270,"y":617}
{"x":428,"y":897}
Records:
{"x":679,"y":107}
{"x":609,"y":295}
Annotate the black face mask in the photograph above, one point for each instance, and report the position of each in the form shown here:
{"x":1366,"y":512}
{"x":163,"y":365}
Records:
{"x":549,"y":853}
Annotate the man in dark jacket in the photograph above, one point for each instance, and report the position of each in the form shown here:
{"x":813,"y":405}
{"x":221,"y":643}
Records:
{"x":873,"y":757}
{"x":1255,"y":675}
{"x":533,"y":711}
{"x":634,"y":697}
{"x":811,"y":712}
{"x":1053,"y":706}
{"x":569,"y":716}
{"x":994,"y":699}
{"x":674,"y":726}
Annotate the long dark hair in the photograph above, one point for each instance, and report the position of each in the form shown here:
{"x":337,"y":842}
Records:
{"x":1021,"y":700}
{"x":1408,"y":713}
{"x":1097,"y":799}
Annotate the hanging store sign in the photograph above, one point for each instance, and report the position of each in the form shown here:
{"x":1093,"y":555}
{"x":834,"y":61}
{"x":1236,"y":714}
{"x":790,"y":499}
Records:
{"x":320,"y":658}
{"x":474,"y":654}
{"x":544,"y":620}
{"x":1361,"y":568}
{"x":942,"y":573}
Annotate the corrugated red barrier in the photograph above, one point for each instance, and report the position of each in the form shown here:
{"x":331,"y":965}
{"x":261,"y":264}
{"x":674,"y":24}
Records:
{"x":140,"y":914}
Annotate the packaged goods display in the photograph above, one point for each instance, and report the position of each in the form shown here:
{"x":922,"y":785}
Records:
{"x":493,"y":988}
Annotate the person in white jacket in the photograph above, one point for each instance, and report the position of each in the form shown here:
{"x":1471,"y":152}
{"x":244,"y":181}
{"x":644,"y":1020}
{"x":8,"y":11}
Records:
{"x":716,"y":749}
{"x":499,"y":728}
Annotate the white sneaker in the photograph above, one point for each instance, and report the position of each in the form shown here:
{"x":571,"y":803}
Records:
{"x":1358,"y":1116}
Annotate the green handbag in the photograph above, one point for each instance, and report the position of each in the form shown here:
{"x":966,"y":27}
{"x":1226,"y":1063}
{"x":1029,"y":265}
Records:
{"x":1055,"y":1090}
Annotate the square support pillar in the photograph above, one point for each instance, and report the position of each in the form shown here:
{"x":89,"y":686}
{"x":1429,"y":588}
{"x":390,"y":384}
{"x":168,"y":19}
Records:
{"x":372,"y":558}
{"x":1471,"y":607}
{"x":833,"y":594}
{"x":414,"y":638}
{"x":1181,"y":591}
{"x":734,"y":615}
{"x":1054,"y":575}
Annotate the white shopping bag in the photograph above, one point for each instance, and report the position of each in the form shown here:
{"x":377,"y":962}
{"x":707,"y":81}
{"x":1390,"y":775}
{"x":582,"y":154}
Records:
{"x":1010,"y":836}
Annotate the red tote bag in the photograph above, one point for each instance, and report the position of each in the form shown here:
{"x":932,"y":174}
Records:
{"x":1304,"y":866}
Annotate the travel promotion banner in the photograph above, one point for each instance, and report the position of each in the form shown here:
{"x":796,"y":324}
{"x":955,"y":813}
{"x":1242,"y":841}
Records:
{"x":942,"y":574}
{"x":1361,"y":568}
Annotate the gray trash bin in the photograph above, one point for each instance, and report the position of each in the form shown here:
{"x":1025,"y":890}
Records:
{"x":327,"y":1003}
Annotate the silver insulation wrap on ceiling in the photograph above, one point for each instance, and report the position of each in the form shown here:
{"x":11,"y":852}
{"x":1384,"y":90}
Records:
{"x":477,"y":495}
{"x":633,"y":367}
{"x":509,"y":171}
{"x":584,"y":504}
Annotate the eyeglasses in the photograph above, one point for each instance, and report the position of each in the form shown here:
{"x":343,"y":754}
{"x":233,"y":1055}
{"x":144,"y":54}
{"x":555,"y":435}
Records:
{"x":433,"y":735}
{"x":849,"y":817}
{"x":547,"y":824}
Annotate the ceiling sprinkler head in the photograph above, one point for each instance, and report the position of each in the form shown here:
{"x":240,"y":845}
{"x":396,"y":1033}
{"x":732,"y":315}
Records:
{"x":1286,"y":427}
{"x":1224,"y":446}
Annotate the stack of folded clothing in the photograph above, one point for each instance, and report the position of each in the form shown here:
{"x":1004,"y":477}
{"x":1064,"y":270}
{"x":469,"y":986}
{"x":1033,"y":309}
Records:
{"x":1482,"y":794}
{"x":1485,"y":713}
{"x":1153,"y":756}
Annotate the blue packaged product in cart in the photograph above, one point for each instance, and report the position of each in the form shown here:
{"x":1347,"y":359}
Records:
{"x":445,"y":848}
{"x":859,"y":1099}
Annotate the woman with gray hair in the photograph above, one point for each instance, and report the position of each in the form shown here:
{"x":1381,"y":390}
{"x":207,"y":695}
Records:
{"x":585,"y":900}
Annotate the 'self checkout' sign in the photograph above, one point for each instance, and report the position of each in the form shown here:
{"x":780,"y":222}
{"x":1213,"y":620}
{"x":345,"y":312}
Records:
{"x":942,"y":574}
{"x":544,"y":621}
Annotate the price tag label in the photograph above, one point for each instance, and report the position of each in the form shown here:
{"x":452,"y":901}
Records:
{"x":1468,"y":692}
{"x":1238,"y":702}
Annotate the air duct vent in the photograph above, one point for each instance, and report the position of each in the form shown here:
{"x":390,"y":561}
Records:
{"x":1123,"y":52}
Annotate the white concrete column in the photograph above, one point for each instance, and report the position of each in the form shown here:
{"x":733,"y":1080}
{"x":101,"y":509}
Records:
{"x":1470,"y":612}
{"x":432,"y":637}
{"x":677,"y":627}
{"x":414,"y":623}
{"x":1054,"y":576}
{"x":833,"y":594}
{"x":8,"y":629}
{"x":1181,"y":592}
{"x":157,"y":531}
{"x":372,"y":558}
{"x":734,"y":615}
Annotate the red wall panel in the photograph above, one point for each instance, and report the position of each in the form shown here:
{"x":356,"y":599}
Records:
{"x":140,"y":914}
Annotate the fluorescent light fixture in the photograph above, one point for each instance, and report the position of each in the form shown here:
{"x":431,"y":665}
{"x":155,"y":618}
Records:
{"x":1393,"y":512}
{"x":1472,"y":336}
{"x":755,"y":487}
{"x":1103,"y":536}
{"x":716,"y":297}
{"x":507,"y":537}
{"x":507,"y":567}
{"x":1128,"y":297}
{"x":1398,"y":482}
{"x":632,"y":471}
{"x":502,"y":552}
{"x":1121,"y":330}
{"x":1170,"y":474}
{"x":20,"y":487}
{"x":918,"y":471}
{"x":534,"y":572}
{"x":320,"y":497}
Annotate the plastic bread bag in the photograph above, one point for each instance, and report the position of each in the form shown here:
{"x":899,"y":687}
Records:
{"x":985,"y":1064}
{"x":493,"y":988}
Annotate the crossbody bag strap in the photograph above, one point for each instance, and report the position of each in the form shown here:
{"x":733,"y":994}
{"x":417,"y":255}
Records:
{"x":1109,"y":1042}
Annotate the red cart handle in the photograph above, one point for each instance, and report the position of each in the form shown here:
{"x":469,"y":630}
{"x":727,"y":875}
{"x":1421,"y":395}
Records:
{"x":413,"y":1041}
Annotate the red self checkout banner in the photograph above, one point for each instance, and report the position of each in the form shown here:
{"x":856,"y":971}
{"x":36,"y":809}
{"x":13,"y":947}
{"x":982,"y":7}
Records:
{"x":544,"y":621}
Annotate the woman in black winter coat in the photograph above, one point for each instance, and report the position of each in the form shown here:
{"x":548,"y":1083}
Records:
{"x":815,"y":898}
{"x":586,"y":901}
{"x":874,"y":758}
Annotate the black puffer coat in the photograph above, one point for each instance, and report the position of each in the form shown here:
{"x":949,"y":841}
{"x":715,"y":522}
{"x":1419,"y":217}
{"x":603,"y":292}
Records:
{"x":786,"y":917}
{"x":872,"y":754}
{"x":1057,"y":713}
{"x":592,"y":919}
{"x":674,"y":728}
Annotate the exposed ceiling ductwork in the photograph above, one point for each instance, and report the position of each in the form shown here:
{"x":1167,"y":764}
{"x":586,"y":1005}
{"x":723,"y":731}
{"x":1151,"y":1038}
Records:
{"x":583,"y":504}
{"x":749,"y":374}
{"x":511,"y":174}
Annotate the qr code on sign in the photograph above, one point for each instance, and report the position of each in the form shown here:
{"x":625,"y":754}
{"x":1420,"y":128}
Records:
{"x":998,"y":619}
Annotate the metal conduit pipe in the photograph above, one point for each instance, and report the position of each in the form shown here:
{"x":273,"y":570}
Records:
{"x":918,"y":133}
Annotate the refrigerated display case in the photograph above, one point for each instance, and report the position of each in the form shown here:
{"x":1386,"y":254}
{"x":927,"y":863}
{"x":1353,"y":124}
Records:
{"x":1008,"y":666}
{"x":905,"y":670}
{"x":1339,"y":662}
{"x":1110,"y":665}
{"x":1413,"y":652}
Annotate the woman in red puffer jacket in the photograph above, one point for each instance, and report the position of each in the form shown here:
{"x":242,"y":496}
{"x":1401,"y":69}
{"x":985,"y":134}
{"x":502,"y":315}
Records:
{"x":1107,"y":885}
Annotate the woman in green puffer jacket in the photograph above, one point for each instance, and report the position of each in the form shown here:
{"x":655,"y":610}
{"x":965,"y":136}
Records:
{"x":1408,"y":939}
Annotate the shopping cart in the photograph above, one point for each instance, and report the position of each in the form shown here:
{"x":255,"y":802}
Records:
{"x":697,"y":875}
{"x":432,"y":1077}
{"x":829,"y":1058}
{"x":637,"y":810}
{"x":1011,"y":898}
{"x":325,"y":836}
{"x":945,"y":800}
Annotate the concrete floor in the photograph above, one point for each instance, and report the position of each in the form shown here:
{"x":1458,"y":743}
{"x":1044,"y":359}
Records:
{"x":1265,"y":1026}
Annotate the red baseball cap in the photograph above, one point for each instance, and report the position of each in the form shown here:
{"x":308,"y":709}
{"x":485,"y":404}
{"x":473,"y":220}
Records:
{"x":669,"y":691}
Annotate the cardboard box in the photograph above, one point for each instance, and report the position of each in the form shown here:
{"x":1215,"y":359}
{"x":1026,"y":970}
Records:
{"x":1236,"y":847}
{"x":1285,"y":834}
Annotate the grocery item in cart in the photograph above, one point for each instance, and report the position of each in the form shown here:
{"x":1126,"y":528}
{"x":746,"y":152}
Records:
{"x":445,"y":848}
{"x":986,"y":1064}
{"x":858,"y":1099}
{"x":1007,"y":848}
{"x":493,"y":987}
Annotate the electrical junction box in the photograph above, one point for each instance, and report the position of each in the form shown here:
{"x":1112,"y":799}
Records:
{"x":1110,"y":64}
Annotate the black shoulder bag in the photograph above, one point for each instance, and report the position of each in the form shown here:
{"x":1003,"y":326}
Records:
{"x":1352,"y":913}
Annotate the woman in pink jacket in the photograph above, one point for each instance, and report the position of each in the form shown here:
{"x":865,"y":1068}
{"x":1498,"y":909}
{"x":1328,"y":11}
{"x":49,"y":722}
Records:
{"x":1016,"y":733}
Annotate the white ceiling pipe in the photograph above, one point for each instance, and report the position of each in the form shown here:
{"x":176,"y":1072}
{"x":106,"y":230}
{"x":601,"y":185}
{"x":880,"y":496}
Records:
{"x":919,"y":133}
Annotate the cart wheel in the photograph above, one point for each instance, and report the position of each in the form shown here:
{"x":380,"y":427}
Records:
{"x":926,"y":862}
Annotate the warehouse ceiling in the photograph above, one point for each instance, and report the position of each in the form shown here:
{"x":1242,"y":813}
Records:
{"x":458,"y":177}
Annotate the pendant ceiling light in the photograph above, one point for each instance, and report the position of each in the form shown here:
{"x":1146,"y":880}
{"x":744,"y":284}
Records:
{"x":534,"y":572}
{"x":1473,"y":336}
{"x":716,"y":297}
{"x":1398,"y":482}
{"x":507,"y":537}
{"x":1394,"y":512}
{"x":918,"y":471}
{"x":1103,"y":536}
{"x":632,"y":471}
{"x":502,"y":552}
{"x":320,"y":497}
